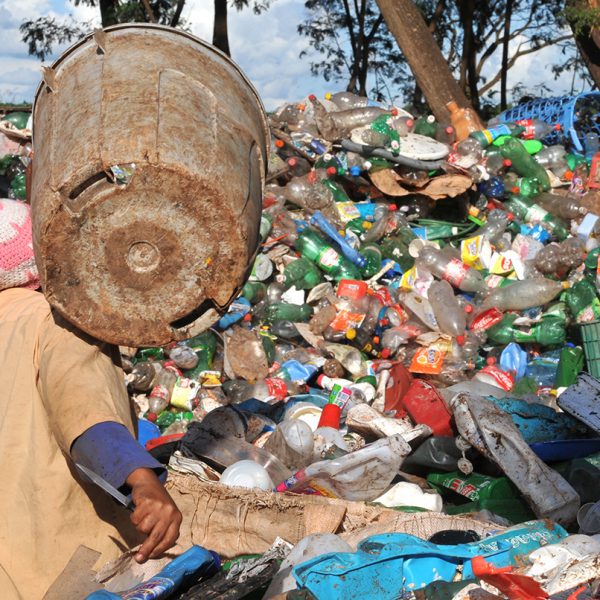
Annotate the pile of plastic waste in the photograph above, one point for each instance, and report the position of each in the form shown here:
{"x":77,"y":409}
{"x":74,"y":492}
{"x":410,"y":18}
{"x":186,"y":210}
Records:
{"x":412,"y":334}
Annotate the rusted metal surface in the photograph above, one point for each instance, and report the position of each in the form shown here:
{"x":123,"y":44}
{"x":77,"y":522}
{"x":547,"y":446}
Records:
{"x":154,"y":259}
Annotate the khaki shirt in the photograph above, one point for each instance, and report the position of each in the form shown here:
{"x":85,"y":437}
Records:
{"x":55,"y":383}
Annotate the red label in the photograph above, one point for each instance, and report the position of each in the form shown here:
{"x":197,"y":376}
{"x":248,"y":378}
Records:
{"x":529,"y":132}
{"x":455,"y":272}
{"x":277,"y":388}
{"x":502,"y":378}
{"x":486,"y":319}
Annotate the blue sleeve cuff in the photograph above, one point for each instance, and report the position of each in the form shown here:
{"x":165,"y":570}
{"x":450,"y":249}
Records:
{"x":112,"y":452}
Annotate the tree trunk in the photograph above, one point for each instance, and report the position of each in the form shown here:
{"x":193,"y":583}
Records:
{"x":468,"y":77}
{"x":587,"y":41}
{"x":505,"y":43}
{"x":423,"y":56}
{"x":220,"y":34}
{"x":108,"y":12}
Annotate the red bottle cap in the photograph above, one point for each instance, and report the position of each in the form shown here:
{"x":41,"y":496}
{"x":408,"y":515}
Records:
{"x":468,"y":308}
{"x":312,"y":97}
{"x":490,"y":360}
{"x":460,"y":340}
{"x":515,"y":189}
{"x":392,"y":207}
{"x":394,"y":112}
{"x":330,"y":416}
{"x":410,"y":123}
{"x":279,"y":144}
{"x":449,"y":129}
{"x":331,"y":170}
{"x":292,"y":162}
{"x":386,"y":353}
{"x":558,"y":127}
{"x":151,"y":417}
{"x":507,"y":162}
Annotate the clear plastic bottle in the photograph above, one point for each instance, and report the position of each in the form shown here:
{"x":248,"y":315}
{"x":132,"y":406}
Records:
{"x":298,"y":166}
{"x":162,"y":389}
{"x":564,"y":207}
{"x":361,"y":475}
{"x":378,"y":230}
{"x":451,"y":269}
{"x":551,"y":157}
{"x":448,"y":313}
{"x":346,"y":100}
{"x":292,"y":443}
{"x":269,"y":389}
{"x":183,"y":356}
{"x":536,"y":129}
{"x":523,"y":294}
{"x":494,"y":228}
{"x":560,"y":258}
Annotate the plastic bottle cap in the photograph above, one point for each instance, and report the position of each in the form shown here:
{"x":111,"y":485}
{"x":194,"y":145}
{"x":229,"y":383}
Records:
{"x":394,"y":112}
{"x":367,"y":225}
{"x":490,"y":205}
{"x":328,"y":96}
{"x":392,"y":207}
{"x":510,"y":216}
{"x":376,"y":339}
{"x":331,"y":171}
{"x":312,"y":97}
{"x":410,"y":123}
{"x":351,"y":334}
{"x":384,"y":322}
{"x":292,"y":162}
{"x":568,"y":175}
{"x":449,"y":130}
{"x":468,"y":308}
{"x":507,"y":162}
{"x":515,"y":189}
{"x":460,"y":340}
{"x":558,"y":127}
{"x":247,"y":317}
{"x":279,"y":144}
{"x":431,"y":119}
{"x":386,"y":353}
{"x":490,"y":360}
{"x":151,"y":417}
{"x":330,"y":416}
{"x":301,"y":107}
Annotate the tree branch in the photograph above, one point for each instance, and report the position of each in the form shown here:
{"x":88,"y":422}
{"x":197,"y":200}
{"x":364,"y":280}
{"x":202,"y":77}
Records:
{"x":149,"y":12}
{"x":177,"y":13}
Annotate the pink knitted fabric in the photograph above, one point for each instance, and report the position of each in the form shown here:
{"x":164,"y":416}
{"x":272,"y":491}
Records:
{"x":17,"y":264}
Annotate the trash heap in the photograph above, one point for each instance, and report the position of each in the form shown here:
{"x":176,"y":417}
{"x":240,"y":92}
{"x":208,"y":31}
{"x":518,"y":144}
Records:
{"x":413,"y":335}
{"x":15,"y":153}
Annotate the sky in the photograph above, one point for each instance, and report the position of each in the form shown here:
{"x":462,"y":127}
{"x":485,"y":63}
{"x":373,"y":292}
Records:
{"x":266,"y":47}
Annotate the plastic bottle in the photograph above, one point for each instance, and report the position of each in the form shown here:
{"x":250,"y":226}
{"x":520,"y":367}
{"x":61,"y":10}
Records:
{"x":269,"y":389}
{"x":160,"y":395}
{"x":309,"y":191}
{"x":453,"y":270}
{"x":313,"y":247}
{"x":528,"y":211}
{"x":328,"y":229}
{"x":281,"y":311}
{"x":292,"y":442}
{"x":569,"y":366}
{"x":560,"y":258}
{"x":464,"y":120}
{"x":378,"y":230}
{"x":372,"y":256}
{"x":359,"y":392}
{"x":486,"y":136}
{"x":523,"y":163}
{"x":449,"y":315}
{"x":445,"y":133}
{"x":194,"y":562}
{"x":346,"y":100}
{"x":591,"y":145}
{"x":563,"y":207}
{"x":425,"y":125}
{"x":522,"y":295}
{"x":361,"y":475}
{"x":536,"y":129}
{"x":183,"y":357}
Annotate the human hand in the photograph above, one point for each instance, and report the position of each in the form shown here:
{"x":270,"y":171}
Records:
{"x":155,"y":514}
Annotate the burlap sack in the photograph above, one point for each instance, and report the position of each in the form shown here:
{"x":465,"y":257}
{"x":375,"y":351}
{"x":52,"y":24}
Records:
{"x":235,"y":521}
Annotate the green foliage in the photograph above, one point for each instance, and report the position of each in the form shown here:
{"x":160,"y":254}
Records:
{"x":582,"y":18}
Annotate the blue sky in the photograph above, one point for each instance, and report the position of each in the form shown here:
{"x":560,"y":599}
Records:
{"x":266,"y":47}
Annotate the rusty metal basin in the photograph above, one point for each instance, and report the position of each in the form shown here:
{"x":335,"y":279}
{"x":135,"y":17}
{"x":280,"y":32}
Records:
{"x":150,"y":158}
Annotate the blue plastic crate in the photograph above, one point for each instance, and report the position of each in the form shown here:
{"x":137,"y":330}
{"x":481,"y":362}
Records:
{"x":572,"y":113}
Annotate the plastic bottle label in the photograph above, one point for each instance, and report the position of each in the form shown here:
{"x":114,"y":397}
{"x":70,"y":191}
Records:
{"x":503,"y":379}
{"x":184,"y":392}
{"x":328,"y":258}
{"x":471,"y":252}
{"x":529,"y":133}
{"x":428,"y":361}
{"x":535,"y":214}
{"x":160,"y":391}
{"x":149,"y":590}
{"x":348,"y":211}
{"x":276,"y":388}
{"x":339,"y":395}
{"x":346,"y":320}
{"x":455,"y":272}
{"x":486,"y":319}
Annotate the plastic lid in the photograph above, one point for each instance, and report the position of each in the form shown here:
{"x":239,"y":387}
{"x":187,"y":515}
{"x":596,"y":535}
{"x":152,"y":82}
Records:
{"x":558,"y":127}
{"x":351,"y":334}
{"x":460,"y":340}
{"x":468,"y":308}
{"x":386,"y":353}
{"x":431,"y":119}
{"x":328,"y":96}
{"x":507,"y":162}
{"x":312,"y":97}
{"x":330,"y":416}
{"x":331,"y":171}
{"x":490,"y":360}
{"x":292,"y":161}
{"x":247,"y":474}
{"x":394,"y":112}
{"x":279,"y":143}
{"x":392,"y":207}
{"x":410,"y":123}
{"x":367,"y":225}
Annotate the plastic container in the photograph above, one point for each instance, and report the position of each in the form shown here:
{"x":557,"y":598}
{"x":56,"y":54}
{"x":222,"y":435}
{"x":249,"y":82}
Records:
{"x":125,"y":216}
{"x":561,"y":110}
{"x":588,"y":518}
{"x":247,"y":474}
{"x":590,"y":335}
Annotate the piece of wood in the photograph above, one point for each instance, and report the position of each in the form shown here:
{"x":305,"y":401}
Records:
{"x":423,"y":55}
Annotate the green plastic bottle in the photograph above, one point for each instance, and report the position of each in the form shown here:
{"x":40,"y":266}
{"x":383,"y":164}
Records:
{"x":254,"y":291}
{"x":582,"y":300}
{"x":503,"y":332}
{"x":523,"y":163}
{"x":281,"y":311}
{"x":526,"y":187}
{"x":569,"y":365}
{"x":528,"y":211}
{"x":339,"y":195}
{"x":302,"y":273}
{"x":425,"y":126}
{"x":549,"y":331}
{"x":372,"y":254}
{"x":316,"y":249}
{"x":204,"y":345}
